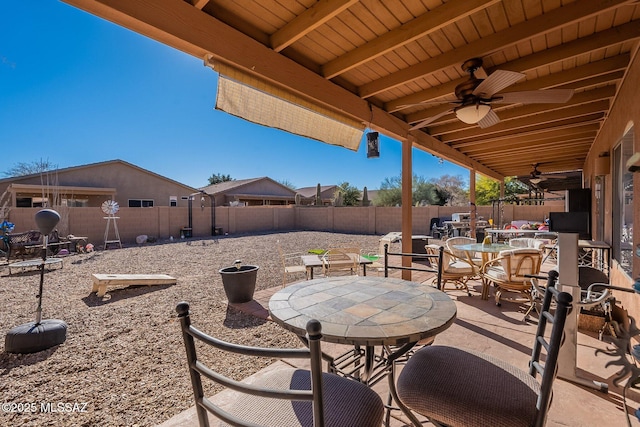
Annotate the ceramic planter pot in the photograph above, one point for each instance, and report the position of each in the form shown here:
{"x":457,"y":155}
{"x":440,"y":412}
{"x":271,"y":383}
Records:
{"x":239,"y":283}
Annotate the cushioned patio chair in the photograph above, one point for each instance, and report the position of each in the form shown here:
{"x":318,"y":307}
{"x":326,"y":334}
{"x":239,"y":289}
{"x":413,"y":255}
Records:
{"x":527,"y":242}
{"x":451,"y":242}
{"x":509,"y":273}
{"x":454,"y":269}
{"x":285,"y":397}
{"x":464,"y":388}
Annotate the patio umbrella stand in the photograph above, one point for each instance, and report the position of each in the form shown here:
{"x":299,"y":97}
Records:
{"x":42,"y":334}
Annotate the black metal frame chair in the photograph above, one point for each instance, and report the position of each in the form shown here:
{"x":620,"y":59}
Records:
{"x":285,"y":397}
{"x":455,"y":387}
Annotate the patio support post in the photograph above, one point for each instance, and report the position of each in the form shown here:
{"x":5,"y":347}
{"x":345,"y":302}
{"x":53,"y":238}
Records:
{"x":472,"y":202}
{"x":407,"y":205}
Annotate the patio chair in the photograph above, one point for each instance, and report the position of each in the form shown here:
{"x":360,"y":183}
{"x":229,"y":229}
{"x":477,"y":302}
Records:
{"x":453,"y":241}
{"x":509,"y":273}
{"x":340,"y":260}
{"x":454,"y":269}
{"x":457,"y":387}
{"x":527,"y":242}
{"x":291,"y":264}
{"x":285,"y":397}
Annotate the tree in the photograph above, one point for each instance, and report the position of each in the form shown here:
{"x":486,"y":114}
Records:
{"x":452,"y":189}
{"x":423,"y":192}
{"x":29,"y":168}
{"x":347,"y":194}
{"x":488,"y":189}
{"x":218,"y":178}
{"x":390,"y":193}
{"x":287,"y":184}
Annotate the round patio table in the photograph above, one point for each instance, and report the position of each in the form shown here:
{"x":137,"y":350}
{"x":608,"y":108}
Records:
{"x":487,"y":251}
{"x":366,"y":311}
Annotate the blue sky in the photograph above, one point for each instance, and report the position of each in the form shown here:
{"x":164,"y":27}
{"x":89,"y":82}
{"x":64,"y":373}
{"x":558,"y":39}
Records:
{"x":76,"y":89}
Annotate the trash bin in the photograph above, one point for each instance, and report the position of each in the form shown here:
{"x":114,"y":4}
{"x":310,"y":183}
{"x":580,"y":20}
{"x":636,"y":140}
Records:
{"x":185,"y":232}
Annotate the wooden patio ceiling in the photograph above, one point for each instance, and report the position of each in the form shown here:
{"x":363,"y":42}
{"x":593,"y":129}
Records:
{"x":374,"y":60}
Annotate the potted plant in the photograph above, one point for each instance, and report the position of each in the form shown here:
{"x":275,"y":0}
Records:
{"x":239,"y":282}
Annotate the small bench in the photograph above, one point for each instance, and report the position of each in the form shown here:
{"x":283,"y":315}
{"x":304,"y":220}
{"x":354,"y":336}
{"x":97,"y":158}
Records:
{"x":30,"y":243}
{"x":101,"y":281}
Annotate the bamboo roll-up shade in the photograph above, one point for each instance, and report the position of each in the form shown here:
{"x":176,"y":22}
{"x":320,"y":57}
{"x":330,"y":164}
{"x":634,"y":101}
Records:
{"x":257,"y":101}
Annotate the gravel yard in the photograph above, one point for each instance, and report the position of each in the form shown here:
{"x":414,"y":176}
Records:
{"x":123,"y":363}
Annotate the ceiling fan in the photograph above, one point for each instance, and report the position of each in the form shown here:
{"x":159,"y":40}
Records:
{"x":535,"y":176}
{"x":476,"y":96}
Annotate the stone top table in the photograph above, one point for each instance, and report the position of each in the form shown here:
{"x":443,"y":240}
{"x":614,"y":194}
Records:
{"x":365,"y":311}
{"x":369,"y":312}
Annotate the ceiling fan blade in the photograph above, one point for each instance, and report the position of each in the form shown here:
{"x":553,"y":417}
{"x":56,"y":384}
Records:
{"x":480,"y":73}
{"x":489,"y":120}
{"x":549,"y":96}
{"x":430,"y":120}
{"x":498,"y":80}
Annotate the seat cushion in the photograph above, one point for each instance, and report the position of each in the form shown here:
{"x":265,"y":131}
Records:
{"x":496,"y":273}
{"x":459,"y":267}
{"x":465,"y":388}
{"x":346,"y":402}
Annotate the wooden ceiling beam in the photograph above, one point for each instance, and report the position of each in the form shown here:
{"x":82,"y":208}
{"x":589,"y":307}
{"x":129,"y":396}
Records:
{"x":421,"y":26}
{"x":531,"y":138}
{"x":566,"y":161}
{"x":580,"y":114}
{"x":559,"y":147}
{"x":199,"y":4}
{"x":511,"y":36}
{"x":601,"y":40}
{"x":309,"y":20}
{"x":485,"y":152}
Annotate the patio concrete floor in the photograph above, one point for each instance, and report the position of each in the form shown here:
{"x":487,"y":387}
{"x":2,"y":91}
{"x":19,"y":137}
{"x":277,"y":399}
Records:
{"x":501,"y":332}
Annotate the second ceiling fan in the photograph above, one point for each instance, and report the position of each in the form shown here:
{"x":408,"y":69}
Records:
{"x":475,"y":97}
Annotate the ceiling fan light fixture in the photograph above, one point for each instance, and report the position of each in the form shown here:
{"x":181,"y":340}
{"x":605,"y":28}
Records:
{"x":472,"y":113}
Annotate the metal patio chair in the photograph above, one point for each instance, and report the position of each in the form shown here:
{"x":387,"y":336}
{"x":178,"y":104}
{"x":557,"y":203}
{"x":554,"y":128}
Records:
{"x":286,"y":397}
{"x":456,"y":387}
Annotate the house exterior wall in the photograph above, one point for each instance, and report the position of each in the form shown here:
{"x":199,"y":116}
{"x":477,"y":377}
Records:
{"x":260,"y":192}
{"x":624,"y":114}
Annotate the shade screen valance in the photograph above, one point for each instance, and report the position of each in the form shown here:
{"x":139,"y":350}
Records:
{"x":254,"y":100}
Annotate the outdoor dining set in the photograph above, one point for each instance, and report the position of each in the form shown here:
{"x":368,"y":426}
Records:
{"x":386,"y":323}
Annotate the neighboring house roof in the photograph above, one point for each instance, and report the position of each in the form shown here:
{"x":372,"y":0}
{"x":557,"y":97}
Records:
{"x":92,"y":165}
{"x":228,"y":185}
{"x":248,"y":186}
{"x":311,"y":191}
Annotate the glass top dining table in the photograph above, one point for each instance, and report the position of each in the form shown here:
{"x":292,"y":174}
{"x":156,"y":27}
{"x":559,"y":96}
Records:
{"x":487,"y":250}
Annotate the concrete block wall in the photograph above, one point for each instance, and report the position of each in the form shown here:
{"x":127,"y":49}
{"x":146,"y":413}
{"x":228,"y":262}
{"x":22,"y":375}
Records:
{"x":164,"y":221}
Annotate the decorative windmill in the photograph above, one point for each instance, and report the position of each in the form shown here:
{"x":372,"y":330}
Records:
{"x":111,"y":207}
